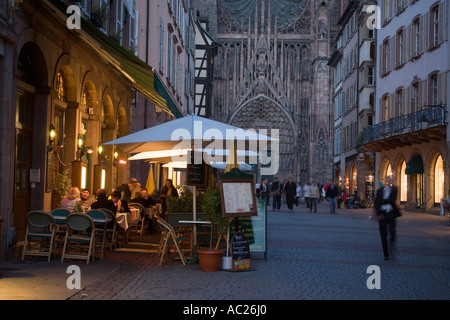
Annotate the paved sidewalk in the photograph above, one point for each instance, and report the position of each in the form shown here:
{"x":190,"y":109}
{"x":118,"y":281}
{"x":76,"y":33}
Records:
{"x":310,"y":256}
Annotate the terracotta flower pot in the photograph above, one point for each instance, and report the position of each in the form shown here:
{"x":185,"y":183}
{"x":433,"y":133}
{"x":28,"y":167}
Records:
{"x":210,"y":260}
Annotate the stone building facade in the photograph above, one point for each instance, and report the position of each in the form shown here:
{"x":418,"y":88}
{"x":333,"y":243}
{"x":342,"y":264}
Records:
{"x":271,"y":72}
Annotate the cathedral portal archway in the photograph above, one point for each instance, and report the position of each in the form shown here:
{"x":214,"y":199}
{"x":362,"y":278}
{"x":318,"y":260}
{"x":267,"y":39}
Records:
{"x":264,"y":113}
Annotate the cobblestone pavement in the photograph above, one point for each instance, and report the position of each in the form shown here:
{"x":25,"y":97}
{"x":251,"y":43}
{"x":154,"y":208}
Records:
{"x":310,"y":256}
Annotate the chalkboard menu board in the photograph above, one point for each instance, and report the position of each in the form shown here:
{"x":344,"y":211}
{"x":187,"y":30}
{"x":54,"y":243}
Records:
{"x":196,"y":173}
{"x":240,"y":250}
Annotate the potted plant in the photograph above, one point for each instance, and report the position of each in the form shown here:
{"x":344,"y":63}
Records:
{"x":61,"y":186}
{"x":210,"y":259}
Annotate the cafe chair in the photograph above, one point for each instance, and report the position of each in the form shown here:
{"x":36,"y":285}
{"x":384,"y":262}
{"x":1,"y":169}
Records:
{"x":111,"y":229}
{"x":84,"y":237}
{"x":41,"y":231}
{"x":100,"y":229}
{"x":60,"y":226}
{"x":139,"y":224}
{"x":168,"y":237}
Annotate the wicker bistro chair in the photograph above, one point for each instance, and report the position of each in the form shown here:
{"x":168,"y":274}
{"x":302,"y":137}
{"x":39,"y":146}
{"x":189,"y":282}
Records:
{"x":168,"y":237}
{"x":60,"y":226}
{"x":100,"y":230}
{"x":111,"y":229}
{"x":139,"y":224}
{"x":84,"y":238}
{"x":40,"y":229}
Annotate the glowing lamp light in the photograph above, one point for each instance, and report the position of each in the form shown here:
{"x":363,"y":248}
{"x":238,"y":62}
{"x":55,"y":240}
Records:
{"x":121,"y":161}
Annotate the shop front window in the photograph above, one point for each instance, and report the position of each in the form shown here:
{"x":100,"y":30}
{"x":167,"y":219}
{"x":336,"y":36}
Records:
{"x":403,"y":183}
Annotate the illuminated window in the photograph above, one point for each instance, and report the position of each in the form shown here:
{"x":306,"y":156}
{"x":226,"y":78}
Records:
{"x":60,"y":87}
{"x":439,"y":180}
{"x":389,"y":171}
{"x":83,"y":177}
{"x":84,"y":100}
{"x":403,"y":183}
{"x":102,"y":185}
{"x":354,"y":179}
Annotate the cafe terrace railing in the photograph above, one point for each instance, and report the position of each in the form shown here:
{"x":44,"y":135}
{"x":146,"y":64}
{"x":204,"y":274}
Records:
{"x":430,"y":116}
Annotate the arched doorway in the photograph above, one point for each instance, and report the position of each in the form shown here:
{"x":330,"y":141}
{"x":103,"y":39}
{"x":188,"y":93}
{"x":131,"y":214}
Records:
{"x":30,"y":142}
{"x":264,"y":113}
{"x":414,"y":167}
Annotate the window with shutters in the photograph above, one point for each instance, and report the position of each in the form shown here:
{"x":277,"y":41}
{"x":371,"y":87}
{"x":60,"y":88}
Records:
{"x":416,"y":37}
{"x":386,"y":54}
{"x":370,"y":76}
{"x":400,"y":46}
{"x":435,"y":31}
{"x":385,"y":108}
{"x":398,"y":107}
{"x":433,"y":90}
{"x":387,"y":14}
{"x":414,"y":103}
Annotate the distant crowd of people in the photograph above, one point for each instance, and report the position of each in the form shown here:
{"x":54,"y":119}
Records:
{"x":310,"y":194}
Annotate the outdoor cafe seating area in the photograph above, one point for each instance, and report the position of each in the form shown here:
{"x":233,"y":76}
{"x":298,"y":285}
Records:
{"x":62,"y":234}
{"x":92,"y":235}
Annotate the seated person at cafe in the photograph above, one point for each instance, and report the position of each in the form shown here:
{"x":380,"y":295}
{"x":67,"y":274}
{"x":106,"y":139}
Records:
{"x":168,"y":190}
{"x":343,"y":198}
{"x":86,"y":199}
{"x":352,"y":201}
{"x":119,"y":204}
{"x":142,"y":197}
{"x":103,"y":202}
{"x":73,"y":196}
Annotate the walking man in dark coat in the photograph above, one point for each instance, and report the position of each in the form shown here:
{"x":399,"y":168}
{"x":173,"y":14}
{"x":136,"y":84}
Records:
{"x":290,"y":188}
{"x":387,"y":211}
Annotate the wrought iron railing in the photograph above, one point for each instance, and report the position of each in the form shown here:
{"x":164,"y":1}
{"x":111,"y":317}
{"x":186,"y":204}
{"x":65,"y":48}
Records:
{"x":428,"y":117}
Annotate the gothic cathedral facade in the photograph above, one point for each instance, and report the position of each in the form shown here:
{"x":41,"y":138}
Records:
{"x":270,"y":72}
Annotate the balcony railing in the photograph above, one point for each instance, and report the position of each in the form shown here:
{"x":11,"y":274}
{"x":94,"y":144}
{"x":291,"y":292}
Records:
{"x":429,"y":117}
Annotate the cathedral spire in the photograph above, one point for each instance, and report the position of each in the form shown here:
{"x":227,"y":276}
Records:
{"x":268,"y":24}
{"x":263,"y":4}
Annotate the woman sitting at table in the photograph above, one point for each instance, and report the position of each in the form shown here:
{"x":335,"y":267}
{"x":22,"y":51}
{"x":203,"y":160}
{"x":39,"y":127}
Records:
{"x":73,"y":196}
{"x":168,"y":190}
{"x":103,"y":202}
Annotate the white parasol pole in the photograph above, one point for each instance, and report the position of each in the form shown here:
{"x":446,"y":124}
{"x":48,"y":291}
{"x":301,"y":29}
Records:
{"x":194,"y":209}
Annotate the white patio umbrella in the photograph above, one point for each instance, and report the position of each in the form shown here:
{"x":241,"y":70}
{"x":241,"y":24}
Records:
{"x":187,"y":132}
{"x":190,"y":132}
{"x":171,"y":156}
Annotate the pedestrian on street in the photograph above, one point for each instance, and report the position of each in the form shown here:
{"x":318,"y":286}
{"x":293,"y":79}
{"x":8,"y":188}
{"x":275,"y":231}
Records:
{"x":387,"y":211}
{"x":314,"y":195}
{"x":290,"y":189}
{"x":265,"y":191}
{"x":276,"y":194}
{"x":298,"y":194}
{"x":306,"y":194}
{"x":283,"y":191}
{"x":331,"y":193}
